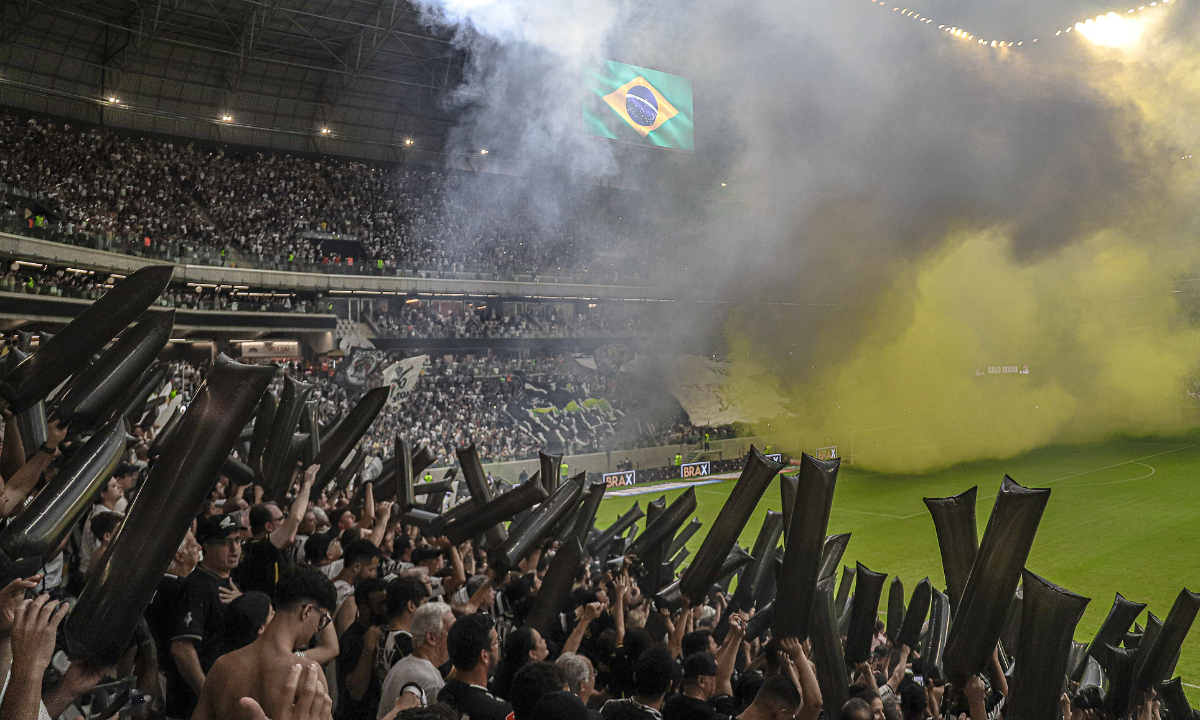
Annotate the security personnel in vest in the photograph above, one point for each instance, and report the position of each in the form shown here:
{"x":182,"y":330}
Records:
{"x":428,"y":477}
{"x":678,"y":459}
{"x":562,"y":470}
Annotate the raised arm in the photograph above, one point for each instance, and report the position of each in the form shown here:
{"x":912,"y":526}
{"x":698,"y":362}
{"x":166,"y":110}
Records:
{"x":810,"y":690}
{"x":584,"y":614}
{"x":898,"y":674}
{"x":381,"y":523}
{"x":727,"y":654}
{"x":283,"y":535}
{"x":23,"y":480}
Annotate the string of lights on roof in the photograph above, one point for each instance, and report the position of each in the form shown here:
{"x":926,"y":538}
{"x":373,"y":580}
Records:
{"x":1100,"y":26}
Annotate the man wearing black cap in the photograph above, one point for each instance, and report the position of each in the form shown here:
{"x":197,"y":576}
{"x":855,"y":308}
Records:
{"x":695,"y":702}
{"x":199,"y":613}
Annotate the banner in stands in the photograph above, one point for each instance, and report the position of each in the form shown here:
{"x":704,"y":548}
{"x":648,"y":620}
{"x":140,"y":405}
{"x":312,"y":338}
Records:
{"x":402,"y":377}
{"x":719,"y":392}
{"x":827,"y":453}
{"x":638,"y":105}
{"x":695,"y":469}
{"x":620,"y":479}
{"x":359,"y":365}
{"x":777,"y":457}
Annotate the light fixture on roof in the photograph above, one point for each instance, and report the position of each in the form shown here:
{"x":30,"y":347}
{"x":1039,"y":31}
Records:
{"x":324,"y":131}
{"x":408,"y":141}
{"x":483,"y":151}
{"x":226,"y":118}
{"x":114,"y":99}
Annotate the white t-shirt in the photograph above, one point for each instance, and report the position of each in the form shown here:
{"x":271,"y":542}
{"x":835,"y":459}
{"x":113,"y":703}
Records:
{"x":344,"y":590}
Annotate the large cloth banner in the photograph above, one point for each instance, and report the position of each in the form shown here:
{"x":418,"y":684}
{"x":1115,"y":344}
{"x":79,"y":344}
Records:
{"x":716,"y":392}
{"x":402,"y":377}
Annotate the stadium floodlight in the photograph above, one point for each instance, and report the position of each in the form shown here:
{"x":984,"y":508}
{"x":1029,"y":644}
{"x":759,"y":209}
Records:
{"x":226,"y":118}
{"x":324,"y":131}
{"x":483,"y":151}
{"x":408,"y":141}
{"x":114,"y":99}
{"x":722,"y":184}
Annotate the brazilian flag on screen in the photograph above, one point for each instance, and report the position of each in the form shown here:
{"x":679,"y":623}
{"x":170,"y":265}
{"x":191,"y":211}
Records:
{"x":639,"y":105}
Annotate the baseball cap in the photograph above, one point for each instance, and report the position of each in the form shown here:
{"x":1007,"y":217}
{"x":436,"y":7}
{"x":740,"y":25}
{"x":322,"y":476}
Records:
{"x":217,"y":528}
{"x":699,"y":665}
{"x":422,"y":554}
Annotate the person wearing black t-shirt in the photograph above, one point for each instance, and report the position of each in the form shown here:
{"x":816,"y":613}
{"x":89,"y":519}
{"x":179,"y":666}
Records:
{"x":199,"y":613}
{"x":358,"y":687}
{"x":160,"y":613}
{"x":265,"y":559}
{"x":699,"y":700}
{"x":474,"y":649}
{"x":653,"y":674}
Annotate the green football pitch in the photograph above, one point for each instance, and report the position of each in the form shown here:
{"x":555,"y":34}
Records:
{"x":1123,"y":516}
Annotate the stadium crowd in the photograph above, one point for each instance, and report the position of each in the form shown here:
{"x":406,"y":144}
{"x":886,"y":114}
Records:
{"x":161,"y":196}
{"x":509,"y":408}
{"x":289,"y":598}
{"x":422,"y":319}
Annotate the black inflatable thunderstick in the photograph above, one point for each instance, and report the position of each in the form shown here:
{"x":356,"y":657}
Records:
{"x":933,"y":647}
{"x":759,"y":623}
{"x":1176,"y":702}
{"x":419,"y":517}
{"x":402,"y":481}
{"x":1049,"y":615}
{"x":737,"y":559}
{"x":958,"y":538}
{"x":787,"y":495}
{"x":705,"y":568}
{"x":278,"y":462}
{"x":983,"y":607}
{"x":49,"y":517}
{"x":803,"y":547}
{"x":1118,"y":666}
{"x":1155,"y":662}
{"x":1112,"y":631}
{"x":1090,"y":695}
{"x":31,"y":422}
{"x":69,"y":350}
{"x":101,"y":383}
{"x":550,"y":470}
{"x":683,"y":536}
{"x":131,"y":403}
{"x":895,"y":611}
{"x":842,"y":601}
{"x":868,"y":587}
{"x":501,"y":508}
{"x":585,"y":518}
{"x":828,"y":655}
{"x":560,"y":502}
{"x":310,"y":425}
{"x":763,"y":552}
{"x":765,"y":592}
{"x":159,"y":443}
{"x":914,"y":616}
{"x":831,"y":554}
{"x":560,"y":576}
{"x":264,"y":418}
{"x":346,"y":435}
{"x":481,"y":492}
{"x":121,"y":583}
{"x":237,"y":471}
{"x":659,"y":532}
{"x":623,"y":523}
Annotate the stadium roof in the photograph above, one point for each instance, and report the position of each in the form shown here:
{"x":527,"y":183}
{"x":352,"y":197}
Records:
{"x":346,"y":77}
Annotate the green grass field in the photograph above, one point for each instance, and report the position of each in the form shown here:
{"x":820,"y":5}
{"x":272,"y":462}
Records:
{"x":1123,"y":516}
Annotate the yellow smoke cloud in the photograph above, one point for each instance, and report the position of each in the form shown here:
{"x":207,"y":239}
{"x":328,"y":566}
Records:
{"x":1103,"y":325}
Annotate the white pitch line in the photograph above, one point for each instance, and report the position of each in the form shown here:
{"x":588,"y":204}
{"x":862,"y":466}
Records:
{"x":1127,"y":462}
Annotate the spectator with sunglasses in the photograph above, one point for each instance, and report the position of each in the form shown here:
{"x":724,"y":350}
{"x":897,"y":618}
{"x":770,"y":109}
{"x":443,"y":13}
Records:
{"x":304,"y":605}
